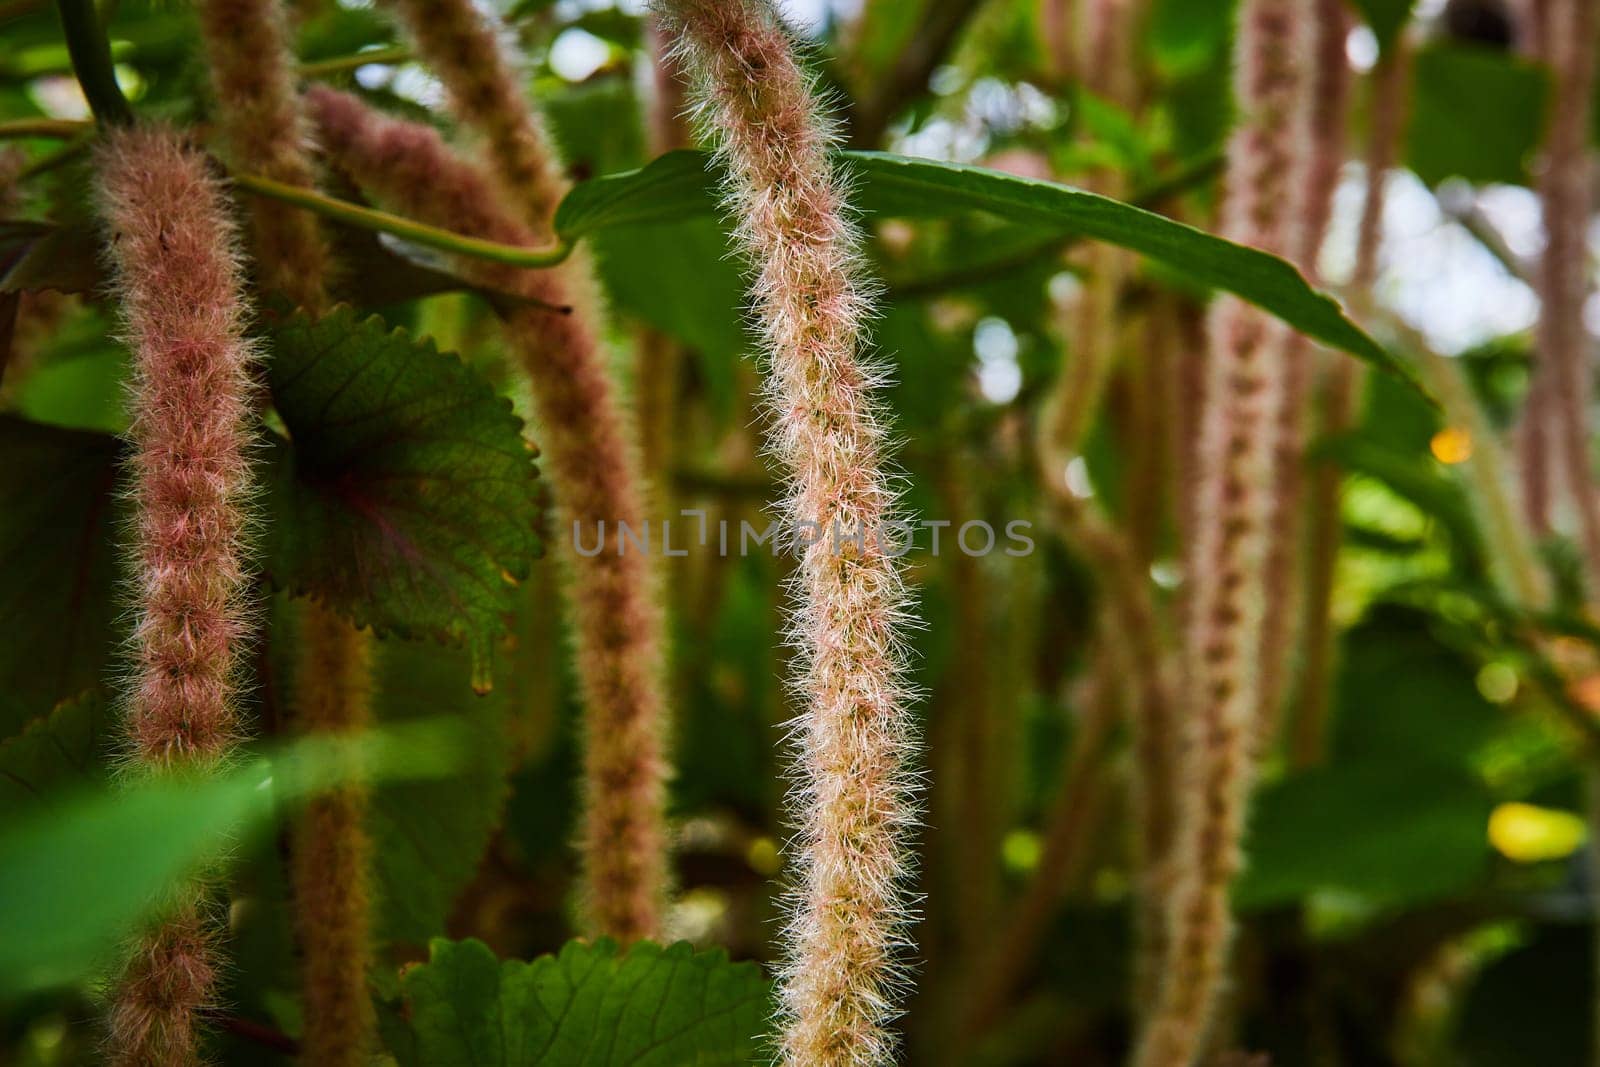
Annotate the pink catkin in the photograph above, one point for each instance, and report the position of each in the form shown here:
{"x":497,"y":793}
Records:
{"x":595,"y":471}
{"x":1238,"y":432}
{"x":266,"y":131}
{"x":179,"y":281}
{"x":1323,"y":118}
{"x":1341,"y":395}
{"x":463,"y":49}
{"x":1565,"y":190}
{"x":246,"y":46}
{"x":853,"y":796}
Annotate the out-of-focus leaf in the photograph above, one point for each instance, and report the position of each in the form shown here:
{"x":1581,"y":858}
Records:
{"x":430,"y":834}
{"x":591,"y":1006}
{"x":408,"y":500}
{"x":77,"y":874}
{"x":1386,"y":830}
{"x":57,"y":601}
{"x":1475,"y":114}
{"x":1401,"y":691}
{"x":1534,"y":1005}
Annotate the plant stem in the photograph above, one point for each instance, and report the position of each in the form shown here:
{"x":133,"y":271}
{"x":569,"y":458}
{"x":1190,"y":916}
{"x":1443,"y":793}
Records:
{"x":419,"y":233}
{"x":323,"y":68}
{"x":22,"y":129}
{"x":91,"y":62}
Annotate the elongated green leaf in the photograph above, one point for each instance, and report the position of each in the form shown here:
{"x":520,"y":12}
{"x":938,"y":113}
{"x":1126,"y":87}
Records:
{"x":77,"y":873}
{"x":677,"y":185}
{"x":591,"y":1006}
{"x":408,"y":500}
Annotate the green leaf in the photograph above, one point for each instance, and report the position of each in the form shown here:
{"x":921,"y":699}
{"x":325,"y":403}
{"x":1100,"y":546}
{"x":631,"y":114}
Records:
{"x":1475,"y":114}
{"x":675,"y":185}
{"x":1388,"y":830}
{"x":591,"y":1006}
{"x":57,"y":575}
{"x":667,"y":189}
{"x":78,"y":873}
{"x":408,"y":501}
{"x":430,"y":834}
{"x":64,"y":748}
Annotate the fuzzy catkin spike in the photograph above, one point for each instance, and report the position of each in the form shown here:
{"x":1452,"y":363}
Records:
{"x":463,"y":48}
{"x":617,"y":620}
{"x":1341,"y":395}
{"x":853,"y":797}
{"x":177,"y":275}
{"x":1237,"y":448}
{"x":1565,"y":191}
{"x":1322,"y":128}
{"x":332,"y":853}
{"x":252,"y":77}
{"x":264,"y":125}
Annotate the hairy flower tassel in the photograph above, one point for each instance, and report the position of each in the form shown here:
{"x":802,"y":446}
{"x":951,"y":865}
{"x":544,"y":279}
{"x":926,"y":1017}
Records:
{"x":462,"y":47}
{"x":853,"y":798}
{"x":252,"y":77}
{"x":266,"y":131}
{"x":1237,"y":451}
{"x":172,"y":251}
{"x":1322,"y":121}
{"x":595,"y":471}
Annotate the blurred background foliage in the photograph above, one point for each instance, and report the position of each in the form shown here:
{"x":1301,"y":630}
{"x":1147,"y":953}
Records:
{"x":1420,"y":896}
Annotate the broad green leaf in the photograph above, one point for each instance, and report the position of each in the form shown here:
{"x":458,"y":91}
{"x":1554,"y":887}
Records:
{"x":591,"y":1006}
{"x":77,"y":873}
{"x":64,"y":748}
{"x":63,"y":258}
{"x":1387,"y":830}
{"x":670,"y":188}
{"x":430,"y":835}
{"x":1475,"y":114}
{"x":57,"y":574}
{"x":408,"y":499}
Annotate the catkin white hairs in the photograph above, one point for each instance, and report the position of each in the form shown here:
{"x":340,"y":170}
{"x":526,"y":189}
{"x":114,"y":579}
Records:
{"x":853,"y":795}
{"x":1237,"y":451}
{"x":179,"y":281}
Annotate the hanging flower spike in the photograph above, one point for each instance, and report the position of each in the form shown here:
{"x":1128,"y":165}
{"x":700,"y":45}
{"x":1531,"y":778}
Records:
{"x":853,"y":798}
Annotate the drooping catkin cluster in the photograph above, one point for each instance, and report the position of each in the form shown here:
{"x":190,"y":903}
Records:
{"x":1237,"y":451}
{"x":616,"y":618}
{"x":178,"y":279}
{"x":1340,"y":395}
{"x":1322,"y":121}
{"x":332,"y":852}
{"x":264,"y":131}
{"x":462,"y":47}
{"x":1565,"y":189}
{"x":853,"y":793}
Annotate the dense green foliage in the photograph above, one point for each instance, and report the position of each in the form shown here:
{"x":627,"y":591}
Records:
{"x":1421,"y":897}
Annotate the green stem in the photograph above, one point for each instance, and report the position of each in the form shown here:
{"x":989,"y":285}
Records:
{"x":91,"y":62}
{"x":22,"y":129}
{"x":323,"y":68}
{"x":416,"y":232}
